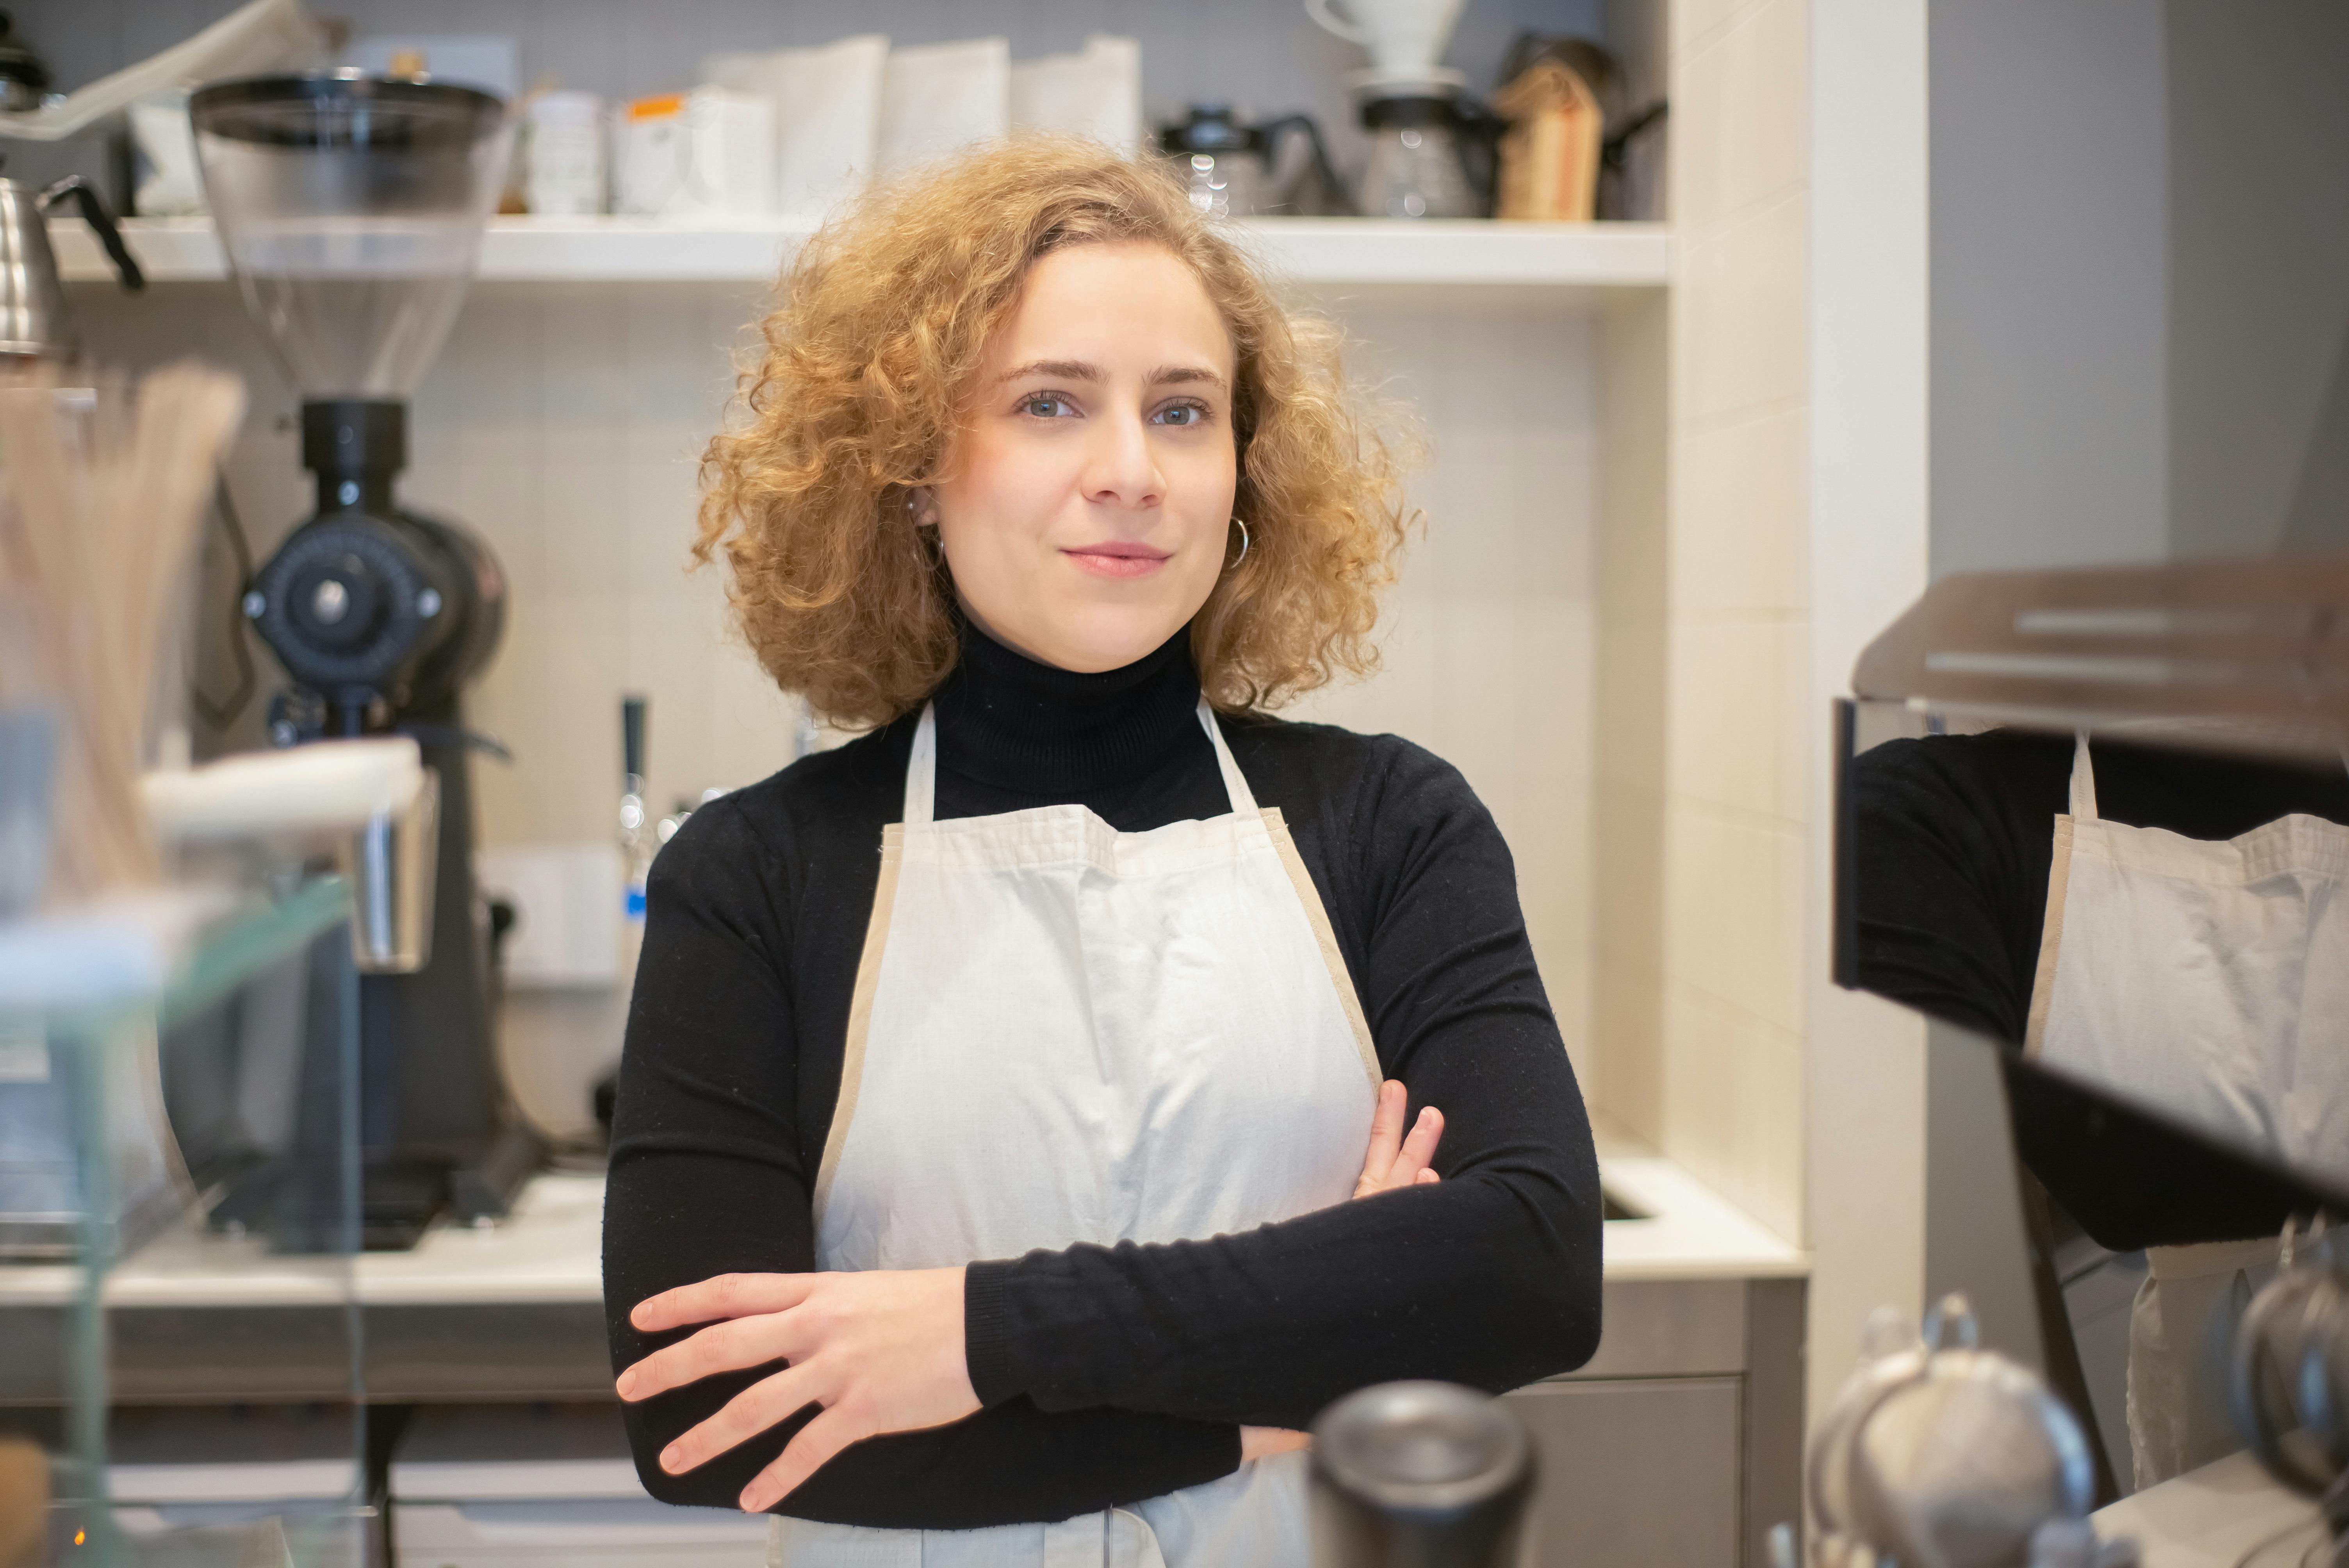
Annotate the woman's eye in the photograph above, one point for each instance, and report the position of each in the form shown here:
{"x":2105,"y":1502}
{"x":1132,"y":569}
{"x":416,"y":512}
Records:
{"x":1046,"y":408}
{"x":1182,"y":414}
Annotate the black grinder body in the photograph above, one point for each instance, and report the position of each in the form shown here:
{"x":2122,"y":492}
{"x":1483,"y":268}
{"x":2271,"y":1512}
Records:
{"x":379,"y":616}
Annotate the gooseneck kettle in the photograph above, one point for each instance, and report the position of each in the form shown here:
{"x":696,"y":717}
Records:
{"x":34,"y":322}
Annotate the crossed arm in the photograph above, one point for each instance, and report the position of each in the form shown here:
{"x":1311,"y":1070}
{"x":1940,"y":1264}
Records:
{"x":882,"y":1351}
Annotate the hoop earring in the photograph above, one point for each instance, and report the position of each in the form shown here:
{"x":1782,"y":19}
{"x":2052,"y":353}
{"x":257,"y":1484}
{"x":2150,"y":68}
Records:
{"x":1244,"y":546}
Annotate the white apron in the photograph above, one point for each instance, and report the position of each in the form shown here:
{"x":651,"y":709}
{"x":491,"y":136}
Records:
{"x":2208,"y":979}
{"x":1062,"y":1033}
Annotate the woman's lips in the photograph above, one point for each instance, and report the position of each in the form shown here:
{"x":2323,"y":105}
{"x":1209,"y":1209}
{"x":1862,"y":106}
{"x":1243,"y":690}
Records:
{"x":1117,"y":560}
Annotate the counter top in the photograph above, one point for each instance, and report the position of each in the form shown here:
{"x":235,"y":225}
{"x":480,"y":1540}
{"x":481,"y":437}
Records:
{"x":2224,"y":1514}
{"x":1688,"y":1231}
{"x":550,"y":1251}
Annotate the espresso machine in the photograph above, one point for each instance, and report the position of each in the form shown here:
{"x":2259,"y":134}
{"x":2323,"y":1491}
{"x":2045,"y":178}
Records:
{"x":351,"y":208}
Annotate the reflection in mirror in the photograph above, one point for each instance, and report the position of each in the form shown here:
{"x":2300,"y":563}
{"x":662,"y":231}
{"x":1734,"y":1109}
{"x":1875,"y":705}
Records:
{"x":2163,"y":921}
{"x":2101,"y":820}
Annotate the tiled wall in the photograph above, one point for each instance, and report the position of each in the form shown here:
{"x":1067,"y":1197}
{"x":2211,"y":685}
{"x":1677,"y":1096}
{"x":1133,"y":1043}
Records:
{"x":1488,"y":639}
{"x":1702,"y":1003}
{"x":565,"y":422}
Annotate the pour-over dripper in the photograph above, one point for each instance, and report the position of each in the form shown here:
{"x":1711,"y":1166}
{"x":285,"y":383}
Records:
{"x":1404,"y":39}
{"x":351,"y":208}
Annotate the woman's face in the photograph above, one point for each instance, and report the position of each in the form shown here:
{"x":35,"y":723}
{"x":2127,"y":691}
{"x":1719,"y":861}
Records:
{"x":1089,"y":494}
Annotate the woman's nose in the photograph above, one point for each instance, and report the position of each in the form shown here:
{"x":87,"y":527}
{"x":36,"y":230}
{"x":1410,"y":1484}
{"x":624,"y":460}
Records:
{"x":1119,"y":467}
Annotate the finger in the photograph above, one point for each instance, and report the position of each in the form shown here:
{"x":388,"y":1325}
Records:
{"x":1412,"y":1157}
{"x":1426,"y":1179}
{"x":762,"y":1404}
{"x":727,"y":1347}
{"x":1419,"y":1149}
{"x":726,"y":1296}
{"x":1386,"y":1132}
{"x":810,"y":1450}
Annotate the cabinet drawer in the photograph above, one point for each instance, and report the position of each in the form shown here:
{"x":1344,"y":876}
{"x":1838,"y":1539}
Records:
{"x":1638,"y":1470}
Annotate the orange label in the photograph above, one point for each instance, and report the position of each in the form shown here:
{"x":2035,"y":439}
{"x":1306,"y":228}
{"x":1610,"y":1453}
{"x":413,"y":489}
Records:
{"x":661,"y":108}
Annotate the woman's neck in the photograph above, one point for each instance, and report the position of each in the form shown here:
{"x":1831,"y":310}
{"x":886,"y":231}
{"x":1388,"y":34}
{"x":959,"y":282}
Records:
{"x":1013,"y":725}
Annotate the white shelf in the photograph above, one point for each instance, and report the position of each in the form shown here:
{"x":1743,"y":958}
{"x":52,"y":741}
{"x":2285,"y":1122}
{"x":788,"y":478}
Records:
{"x":1314,"y":251}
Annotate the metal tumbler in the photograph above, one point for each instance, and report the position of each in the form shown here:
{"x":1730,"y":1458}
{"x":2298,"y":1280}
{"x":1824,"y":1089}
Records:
{"x":392,"y":863}
{"x":1419,"y":1475}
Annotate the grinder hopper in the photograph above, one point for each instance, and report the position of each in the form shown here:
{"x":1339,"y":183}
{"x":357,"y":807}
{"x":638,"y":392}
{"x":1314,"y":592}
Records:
{"x":351,"y":208}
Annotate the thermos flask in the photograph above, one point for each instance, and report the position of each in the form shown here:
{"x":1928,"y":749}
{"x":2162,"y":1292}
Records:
{"x":1419,"y":1475}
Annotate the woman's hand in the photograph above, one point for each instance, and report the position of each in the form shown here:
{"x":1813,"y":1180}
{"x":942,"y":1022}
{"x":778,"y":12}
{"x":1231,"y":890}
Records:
{"x":1263,"y":1442}
{"x":1395,"y":1160}
{"x":882,"y":1351}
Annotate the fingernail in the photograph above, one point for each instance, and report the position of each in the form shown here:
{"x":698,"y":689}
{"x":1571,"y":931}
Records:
{"x":626,"y":1386}
{"x":672,"y":1459}
{"x":752,"y":1504}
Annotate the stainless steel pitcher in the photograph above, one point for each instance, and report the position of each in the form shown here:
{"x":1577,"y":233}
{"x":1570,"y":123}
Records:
{"x":34,"y":322}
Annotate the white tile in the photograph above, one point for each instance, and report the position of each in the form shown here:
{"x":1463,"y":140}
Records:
{"x":1630,"y":1050}
{"x":1796,"y":746}
{"x":1766,"y":85}
{"x":1742,"y":312}
{"x":1701,"y":894}
{"x":1741,"y":514}
{"x":1701,"y":128}
{"x":1695,"y":23}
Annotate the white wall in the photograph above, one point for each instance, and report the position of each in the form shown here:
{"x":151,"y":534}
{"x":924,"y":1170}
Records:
{"x":1867,"y":343}
{"x":1703,"y":1009}
{"x":2257,"y":315}
{"x":2050,"y":298}
{"x":1487,"y":642}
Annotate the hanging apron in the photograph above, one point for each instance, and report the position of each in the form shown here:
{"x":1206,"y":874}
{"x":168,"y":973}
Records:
{"x":2208,"y":979}
{"x":1061,"y":1034}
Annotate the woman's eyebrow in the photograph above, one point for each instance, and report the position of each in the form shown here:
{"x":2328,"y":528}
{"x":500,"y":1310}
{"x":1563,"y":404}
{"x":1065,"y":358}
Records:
{"x":1061,"y":369}
{"x":1170,"y":374}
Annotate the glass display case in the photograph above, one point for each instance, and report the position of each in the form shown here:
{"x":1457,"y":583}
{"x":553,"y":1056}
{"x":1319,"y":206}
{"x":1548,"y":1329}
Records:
{"x":180,"y":1168}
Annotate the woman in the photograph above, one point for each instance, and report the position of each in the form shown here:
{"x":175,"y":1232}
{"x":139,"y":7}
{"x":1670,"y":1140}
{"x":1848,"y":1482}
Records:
{"x":1006,"y":1071}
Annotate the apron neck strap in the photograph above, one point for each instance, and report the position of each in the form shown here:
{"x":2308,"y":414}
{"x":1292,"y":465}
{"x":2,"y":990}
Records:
{"x":1242,"y":799}
{"x":2083,"y":781}
{"x":922,"y":771}
{"x":922,"y":768}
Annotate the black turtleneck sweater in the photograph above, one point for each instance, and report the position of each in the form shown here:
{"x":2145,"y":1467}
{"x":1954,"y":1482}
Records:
{"x":1108,"y":1374}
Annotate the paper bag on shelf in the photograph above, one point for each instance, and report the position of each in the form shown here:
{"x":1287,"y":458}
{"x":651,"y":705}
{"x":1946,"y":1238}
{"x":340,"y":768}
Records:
{"x":1549,"y":155}
{"x":942,"y":97}
{"x":1094,"y":93}
{"x":827,"y":107}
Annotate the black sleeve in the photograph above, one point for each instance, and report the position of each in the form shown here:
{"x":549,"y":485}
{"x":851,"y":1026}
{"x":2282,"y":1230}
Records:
{"x":707,"y":1178}
{"x":1955,"y":836}
{"x":1489,"y":1278}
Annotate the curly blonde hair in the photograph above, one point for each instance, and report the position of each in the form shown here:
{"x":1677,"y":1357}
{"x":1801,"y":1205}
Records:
{"x":864,"y":377}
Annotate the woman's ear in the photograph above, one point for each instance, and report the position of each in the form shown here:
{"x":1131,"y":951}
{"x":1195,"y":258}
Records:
{"x":922,"y":505}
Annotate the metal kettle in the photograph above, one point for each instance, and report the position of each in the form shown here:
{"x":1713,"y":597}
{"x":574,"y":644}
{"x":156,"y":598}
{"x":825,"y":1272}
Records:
{"x":34,"y":322}
{"x":1231,"y":168}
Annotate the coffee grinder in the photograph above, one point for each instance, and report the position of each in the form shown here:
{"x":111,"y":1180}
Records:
{"x":351,"y":208}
